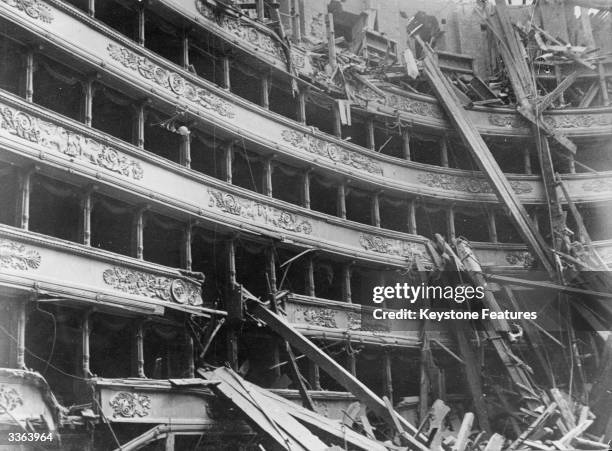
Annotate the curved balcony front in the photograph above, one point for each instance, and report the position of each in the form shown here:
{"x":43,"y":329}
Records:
{"x":63,"y":271}
{"x":29,"y":135}
{"x":208,"y":105}
{"x":416,"y":109}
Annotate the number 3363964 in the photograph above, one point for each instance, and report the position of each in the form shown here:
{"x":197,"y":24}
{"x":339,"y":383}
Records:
{"x":30,"y":437}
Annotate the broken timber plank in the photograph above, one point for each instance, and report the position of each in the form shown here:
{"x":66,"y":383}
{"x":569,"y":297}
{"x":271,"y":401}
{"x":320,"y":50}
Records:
{"x":495,"y":443}
{"x":295,"y":372}
{"x":532,"y":335}
{"x":486,"y":162}
{"x":547,"y":101}
{"x":564,"y":408}
{"x":320,"y":423}
{"x":473,"y":376}
{"x":329,"y":365}
{"x":535,"y":425}
{"x":268,"y":416}
{"x":464,"y":432}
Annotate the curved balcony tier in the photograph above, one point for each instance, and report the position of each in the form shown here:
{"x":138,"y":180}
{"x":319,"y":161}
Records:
{"x":68,"y":150}
{"x":208,"y":105}
{"x":64,"y":271}
{"x":417,"y":109}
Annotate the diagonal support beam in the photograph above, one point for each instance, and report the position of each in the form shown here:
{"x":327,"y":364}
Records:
{"x":547,"y":101}
{"x":335,"y":370}
{"x":486,"y":162}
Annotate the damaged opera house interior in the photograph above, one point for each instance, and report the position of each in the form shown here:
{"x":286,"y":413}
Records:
{"x":198,"y":199}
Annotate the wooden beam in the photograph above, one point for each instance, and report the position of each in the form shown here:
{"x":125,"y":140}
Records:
{"x":464,"y":432}
{"x":533,"y":336}
{"x":295,"y":372}
{"x":547,"y":101}
{"x":473,"y":376}
{"x":589,"y":96}
{"x":335,"y":370}
{"x":281,"y":428}
{"x":545,"y":284}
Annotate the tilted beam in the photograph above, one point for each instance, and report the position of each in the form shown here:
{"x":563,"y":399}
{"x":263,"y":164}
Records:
{"x":335,"y":370}
{"x":486,"y":162}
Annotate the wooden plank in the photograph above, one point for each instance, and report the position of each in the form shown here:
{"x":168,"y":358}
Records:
{"x":473,"y":376}
{"x":329,"y":365}
{"x":533,"y":336}
{"x":574,"y":432}
{"x":285,"y":431}
{"x":495,"y":443}
{"x":486,"y":162}
{"x":589,"y":96}
{"x":564,"y":408}
{"x":464,"y":432}
{"x":547,"y":101}
{"x":539,"y":422}
{"x":323,"y":424}
{"x":295,"y":372}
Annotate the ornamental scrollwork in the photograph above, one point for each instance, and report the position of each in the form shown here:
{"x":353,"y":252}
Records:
{"x":170,"y":80}
{"x":354,"y":321}
{"x":33,"y":8}
{"x":151,"y":286}
{"x":10,"y":399}
{"x":507,"y":120}
{"x":381,"y":245}
{"x":242,"y":30}
{"x":552,"y":121}
{"x":331,"y":151}
{"x":524,"y":259}
{"x":130,"y":405}
{"x":58,"y":139}
{"x":577,"y":120}
{"x":597,"y":186}
{"x":323,"y":317}
{"x":16,"y":256}
{"x":257,"y":212}
{"x":474,"y":185}
{"x":414,"y":106}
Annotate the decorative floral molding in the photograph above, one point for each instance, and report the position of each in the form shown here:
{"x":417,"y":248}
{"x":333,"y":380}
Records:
{"x":242,"y":30}
{"x":598,"y":186}
{"x":333,"y":152}
{"x":507,"y":120}
{"x":524,"y":259}
{"x":379,"y":244}
{"x":33,"y":8}
{"x":16,"y":256}
{"x":319,"y":316}
{"x":414,"y":106}
{"x":74,"y":145}
{"x":553,"y":121}
{"x":170,"y":80}
{"x":228,"y":203}
{"x":10,"y":399}
{"x":468,"y":184}
{"x":354,"y":321}
{"x":130,"y":405}
{"x":150,"y":286}
{"x":577,"y":120}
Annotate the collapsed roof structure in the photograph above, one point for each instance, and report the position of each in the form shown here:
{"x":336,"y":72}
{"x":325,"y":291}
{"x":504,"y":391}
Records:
{"x":200,"y":198}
